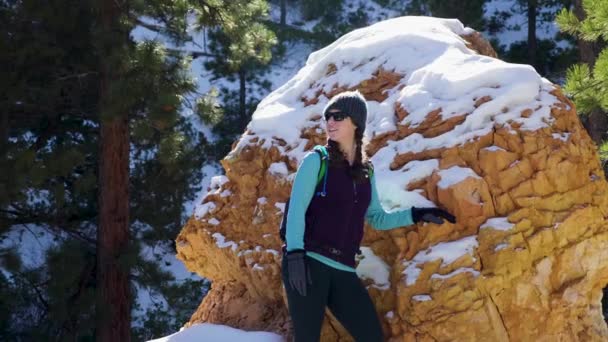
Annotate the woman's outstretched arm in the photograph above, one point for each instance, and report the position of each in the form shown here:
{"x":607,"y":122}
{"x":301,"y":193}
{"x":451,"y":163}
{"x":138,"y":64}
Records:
{"x":380,"y":219}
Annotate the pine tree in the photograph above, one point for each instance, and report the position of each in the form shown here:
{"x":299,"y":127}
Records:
{"x":50,"y":123}
{"x":587,"y":82}
{"x":237,"y":105}
{"x":125,"y":92}
{"x":48,"y":163}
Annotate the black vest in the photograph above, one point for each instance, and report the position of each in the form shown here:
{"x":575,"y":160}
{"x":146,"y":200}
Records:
{"x":334,"y":223}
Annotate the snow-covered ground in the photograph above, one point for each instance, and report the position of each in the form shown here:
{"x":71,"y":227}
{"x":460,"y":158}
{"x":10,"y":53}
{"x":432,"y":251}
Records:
{"x":516,"y":25}
{"x":31,"y":242}
{"x":218,"y":333}
{"x":209,"y":171}
{"x":147,"y":298}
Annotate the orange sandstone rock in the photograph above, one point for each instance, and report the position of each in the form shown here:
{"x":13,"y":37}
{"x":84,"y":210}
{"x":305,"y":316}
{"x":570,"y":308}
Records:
{"x":526,"y":261}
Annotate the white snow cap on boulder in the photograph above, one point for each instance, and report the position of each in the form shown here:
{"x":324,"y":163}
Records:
{"x":439,"y":72}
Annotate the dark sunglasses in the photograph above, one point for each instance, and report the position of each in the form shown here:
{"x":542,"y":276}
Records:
{"x":338,"y":116}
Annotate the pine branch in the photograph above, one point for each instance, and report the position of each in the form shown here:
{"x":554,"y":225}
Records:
{"x":135,"y":19}
{"x":588,"y":86}
{"x":36,"y":289}
{"x":77,"y":235}
{"x":194,"y":54}
{"x":86,"y":276}
{"x":214,"y":12}
{"x":79,"y":76}
{"x":58,"y":223}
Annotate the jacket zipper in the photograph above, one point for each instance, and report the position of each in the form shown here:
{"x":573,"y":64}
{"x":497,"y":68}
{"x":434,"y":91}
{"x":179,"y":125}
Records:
{"x":355,"y":190}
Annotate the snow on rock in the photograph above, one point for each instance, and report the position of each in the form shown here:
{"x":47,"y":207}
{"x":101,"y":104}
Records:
{"x":222,"y":243}
{"x":493,"y":148}
{"x":373,"y":268}
{"x":280,"y":206}
{"x":217,"y":182}
{"x":202,"y":210}
{"x":458,"y":271}
{"x":449,"y":126}
{"x":422,"y":298}
{"x":498,"y":223}
{"x":454,"y":175}
{"x":447,"y":252}
{"x":501,"y":246}
{"x":208,"y":172}
{"x":439,"y":72}
{"x":561,"y":136}
{"x":278,"y":169}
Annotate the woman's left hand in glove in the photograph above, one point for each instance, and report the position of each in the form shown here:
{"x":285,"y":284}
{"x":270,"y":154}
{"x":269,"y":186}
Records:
{"x":434,"y":215}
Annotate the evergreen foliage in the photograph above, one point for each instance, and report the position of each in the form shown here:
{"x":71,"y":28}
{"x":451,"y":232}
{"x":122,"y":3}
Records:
{"x":239,"y":104}
{"x":50,"y":143}
{"x":588,"y":85}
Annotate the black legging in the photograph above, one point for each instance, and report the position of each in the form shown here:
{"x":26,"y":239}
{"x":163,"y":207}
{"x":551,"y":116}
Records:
{"x":343,"y":293}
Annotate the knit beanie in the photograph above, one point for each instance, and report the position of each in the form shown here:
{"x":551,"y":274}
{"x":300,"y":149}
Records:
{"x":351,"y":103}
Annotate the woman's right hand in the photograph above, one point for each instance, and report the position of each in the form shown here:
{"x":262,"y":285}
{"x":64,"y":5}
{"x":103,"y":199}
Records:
{"x":297,"y":271}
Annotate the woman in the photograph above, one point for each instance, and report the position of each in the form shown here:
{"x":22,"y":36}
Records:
{"x":325,"y":228}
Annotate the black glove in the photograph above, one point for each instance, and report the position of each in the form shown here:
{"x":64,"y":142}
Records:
{"x":297,"y":271}
{"x":434,"y":215}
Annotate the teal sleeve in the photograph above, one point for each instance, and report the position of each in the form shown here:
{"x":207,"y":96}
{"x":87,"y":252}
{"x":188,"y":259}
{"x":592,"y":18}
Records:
{"x":302,"y":191}
{"x":380,"y":219}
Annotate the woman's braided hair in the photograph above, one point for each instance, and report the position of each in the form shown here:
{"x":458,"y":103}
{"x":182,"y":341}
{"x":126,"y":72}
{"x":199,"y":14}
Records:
{"x":361,"y":165}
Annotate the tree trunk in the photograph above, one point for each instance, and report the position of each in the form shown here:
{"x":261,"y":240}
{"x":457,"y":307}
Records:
{"x":532,"y":34}
{"x":596,"y":122}
{"x":4,"y":131}
{"x":242,"y":97}
{"x":596,"y":125}
{"x":4,"y":168}
{"x":113,"y":295}
{"x":283,"y":12}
